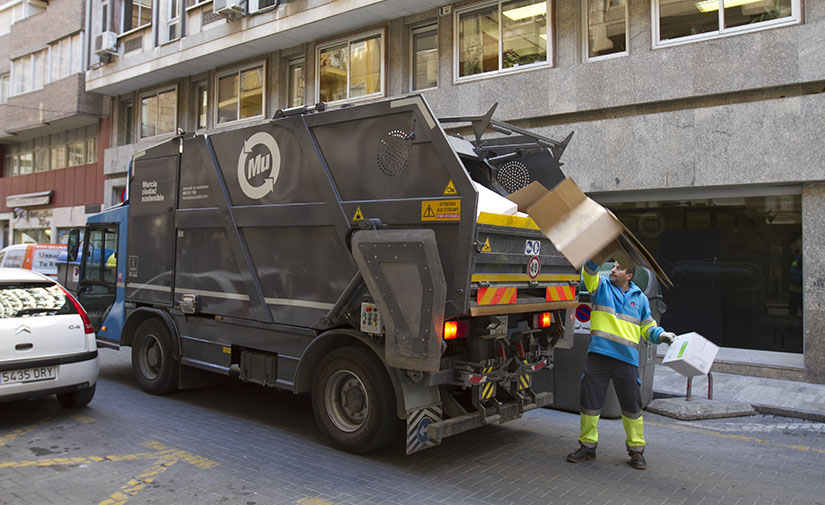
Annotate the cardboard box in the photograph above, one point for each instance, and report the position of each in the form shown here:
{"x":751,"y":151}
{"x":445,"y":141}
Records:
{"x":691,"y":354}
{"x":580,"y":228}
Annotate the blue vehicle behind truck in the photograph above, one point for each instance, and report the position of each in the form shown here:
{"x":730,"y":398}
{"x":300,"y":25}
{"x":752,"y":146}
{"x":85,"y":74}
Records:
{"x":344,"y":253}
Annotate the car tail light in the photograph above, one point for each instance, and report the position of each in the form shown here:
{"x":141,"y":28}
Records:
{"x":87,"y":323}
{"x":455,"y":329}
{"x":544,"y":319}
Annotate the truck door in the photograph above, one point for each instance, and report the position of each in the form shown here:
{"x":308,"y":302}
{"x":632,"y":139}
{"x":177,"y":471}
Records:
{"x":96,"y":287}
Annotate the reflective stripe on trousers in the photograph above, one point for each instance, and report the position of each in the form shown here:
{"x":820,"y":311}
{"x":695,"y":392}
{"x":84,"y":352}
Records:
{"x":598,"y":371}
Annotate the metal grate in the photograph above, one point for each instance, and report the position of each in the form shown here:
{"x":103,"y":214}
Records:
{"x":513,"y":176}
{"x":394,"y":153}
{"x":207,"y":16}
{"x":133,"y":44}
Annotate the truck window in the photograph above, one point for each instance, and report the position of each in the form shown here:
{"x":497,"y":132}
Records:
{"x":100,"y":258}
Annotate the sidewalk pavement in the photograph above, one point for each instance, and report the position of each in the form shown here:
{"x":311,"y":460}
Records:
{"x":766,"y":396}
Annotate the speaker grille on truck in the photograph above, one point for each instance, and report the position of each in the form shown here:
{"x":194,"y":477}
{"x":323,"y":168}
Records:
{"x":394,"y":153}
{"x":513,"y":175}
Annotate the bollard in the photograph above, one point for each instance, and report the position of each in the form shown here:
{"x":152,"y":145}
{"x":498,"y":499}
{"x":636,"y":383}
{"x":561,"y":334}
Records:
{"x":688,"y":397}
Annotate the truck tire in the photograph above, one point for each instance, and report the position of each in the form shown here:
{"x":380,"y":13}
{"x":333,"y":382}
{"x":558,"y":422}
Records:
{"x":153,"y":363}
{"x":77,"y":399}
{"x":353,"y":400}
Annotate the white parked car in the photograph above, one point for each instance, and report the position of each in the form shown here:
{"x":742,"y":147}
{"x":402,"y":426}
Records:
{"x":47,"y":343}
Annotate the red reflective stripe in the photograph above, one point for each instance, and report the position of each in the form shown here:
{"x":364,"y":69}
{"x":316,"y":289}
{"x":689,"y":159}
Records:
{"x":560,"y":293}
{"x":513,"y":292}
{"x":496,"y":296}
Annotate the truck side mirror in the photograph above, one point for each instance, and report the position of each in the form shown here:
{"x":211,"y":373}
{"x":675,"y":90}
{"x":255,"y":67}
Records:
{"x":73,"y":245}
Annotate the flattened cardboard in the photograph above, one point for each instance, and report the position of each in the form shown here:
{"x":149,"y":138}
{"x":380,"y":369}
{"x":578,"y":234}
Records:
{"x":580,"y":228}
{"x":691,"y":354}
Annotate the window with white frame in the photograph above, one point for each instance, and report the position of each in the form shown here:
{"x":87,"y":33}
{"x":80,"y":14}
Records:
{"x":62,"y":59}
{"x":136,"y":14}
{"x":351,"y":68}
{"x":91,"y":150}
{"x":240,"y":94}
{"x":66,"y":57}
{"x":424,"y":61}
{"x":57,"y":156}
{"x":173,"y":20}
{"x":501,"y":36}
{"x":4,"y":88}
{"x":295,"y":83}
{"x":256,"y":6}
{"x":31,"y":72}
{"x":103,"y":16}
{"x":202,"y":104}
{"x":21,"y":69}
{"x":77,"y":152}
{"x":158,"y":112}
{"x":606,"y":28}
{"x":678,"y":21}
{"x":41,"y":160}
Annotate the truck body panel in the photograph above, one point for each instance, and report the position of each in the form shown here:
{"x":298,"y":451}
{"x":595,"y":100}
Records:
{"x":345,"y":238}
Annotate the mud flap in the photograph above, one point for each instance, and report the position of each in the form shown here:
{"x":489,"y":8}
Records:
{"x":403,"y":272}
{"x":417,"y":422}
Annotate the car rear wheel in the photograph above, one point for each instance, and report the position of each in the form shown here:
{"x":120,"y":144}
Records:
{"x":153,"y":363}
{"x":353,"y":400}
{"x":77,"y":399}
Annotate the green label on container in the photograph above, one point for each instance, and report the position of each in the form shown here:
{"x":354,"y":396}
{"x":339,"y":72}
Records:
{"x":682,"y":350}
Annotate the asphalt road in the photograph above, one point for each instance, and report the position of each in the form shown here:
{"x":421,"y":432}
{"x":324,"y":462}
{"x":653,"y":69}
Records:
{"x":243,"y":444}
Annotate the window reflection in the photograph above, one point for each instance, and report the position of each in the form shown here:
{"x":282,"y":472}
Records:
{"x":735,"y":263}
{"x":31,"y":300}
{"x":350,"y":69}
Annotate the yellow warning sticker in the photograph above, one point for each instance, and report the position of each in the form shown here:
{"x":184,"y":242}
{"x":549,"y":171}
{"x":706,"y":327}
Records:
{"x":450,"y":189}
{"x":358,"y":214}
{"x":441,"y":210}
{"x":486,"y":246}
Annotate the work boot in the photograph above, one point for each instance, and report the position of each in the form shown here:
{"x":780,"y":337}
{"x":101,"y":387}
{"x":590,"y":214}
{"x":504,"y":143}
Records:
{"x":582,"y":455}
{"x":637,"y":460}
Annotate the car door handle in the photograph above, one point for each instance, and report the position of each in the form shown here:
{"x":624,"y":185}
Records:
{"x":23,"y":347}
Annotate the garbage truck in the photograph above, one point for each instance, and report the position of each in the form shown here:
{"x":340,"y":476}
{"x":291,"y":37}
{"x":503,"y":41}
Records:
{"x":360,"y":254}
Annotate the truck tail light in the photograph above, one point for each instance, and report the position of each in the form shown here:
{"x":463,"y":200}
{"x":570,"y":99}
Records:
{"x":455,"y":329}
{"x":544,"y":319}
{"x":87,"y":323}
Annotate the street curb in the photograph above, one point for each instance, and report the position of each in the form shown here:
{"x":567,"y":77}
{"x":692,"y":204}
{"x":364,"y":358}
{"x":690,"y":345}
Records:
{"x":809,"y":415}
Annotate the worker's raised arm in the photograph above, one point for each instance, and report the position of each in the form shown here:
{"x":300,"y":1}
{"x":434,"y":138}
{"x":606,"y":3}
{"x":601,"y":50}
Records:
{"x":590,"y":274}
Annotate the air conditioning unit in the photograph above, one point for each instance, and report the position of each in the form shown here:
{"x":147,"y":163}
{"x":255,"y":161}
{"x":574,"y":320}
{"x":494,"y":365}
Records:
{"x":105,"y":43}
{"x":229,"y":8}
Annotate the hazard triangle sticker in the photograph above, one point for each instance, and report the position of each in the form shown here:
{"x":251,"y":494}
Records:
{"x":486,"y":246}
{"x":450,"y":189}
{"x":358,"y":214}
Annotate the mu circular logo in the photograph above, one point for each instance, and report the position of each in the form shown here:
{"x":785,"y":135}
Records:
{"x":259,"y":165}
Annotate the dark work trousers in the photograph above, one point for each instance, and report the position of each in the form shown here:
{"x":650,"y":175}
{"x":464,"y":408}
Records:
{"x":598,"y":370}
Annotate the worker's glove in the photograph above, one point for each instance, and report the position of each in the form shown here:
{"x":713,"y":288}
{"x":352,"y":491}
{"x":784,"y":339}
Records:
{"x":667,"y":337}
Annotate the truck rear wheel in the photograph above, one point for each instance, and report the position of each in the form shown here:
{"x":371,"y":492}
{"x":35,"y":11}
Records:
{"x":153,"y":364}
{"x":353,"y":400}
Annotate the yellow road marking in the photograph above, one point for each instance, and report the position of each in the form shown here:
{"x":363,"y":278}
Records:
{"x":82,"y":419}
{"x":76,"y":461}
{"x":132,"y":487}
{"x":28,"y":429}
{"x":313,"y":500}
{"x":738,"y":437}
{"x":21,"y":431}
{"x":164,"y":458}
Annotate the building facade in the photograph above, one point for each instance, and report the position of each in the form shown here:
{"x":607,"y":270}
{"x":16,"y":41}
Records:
{"x":701,"y":124}
{"x":50,"y":127}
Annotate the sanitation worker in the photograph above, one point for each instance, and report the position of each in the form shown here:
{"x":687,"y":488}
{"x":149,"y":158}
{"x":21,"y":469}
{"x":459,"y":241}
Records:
{"x":620,"y":317}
